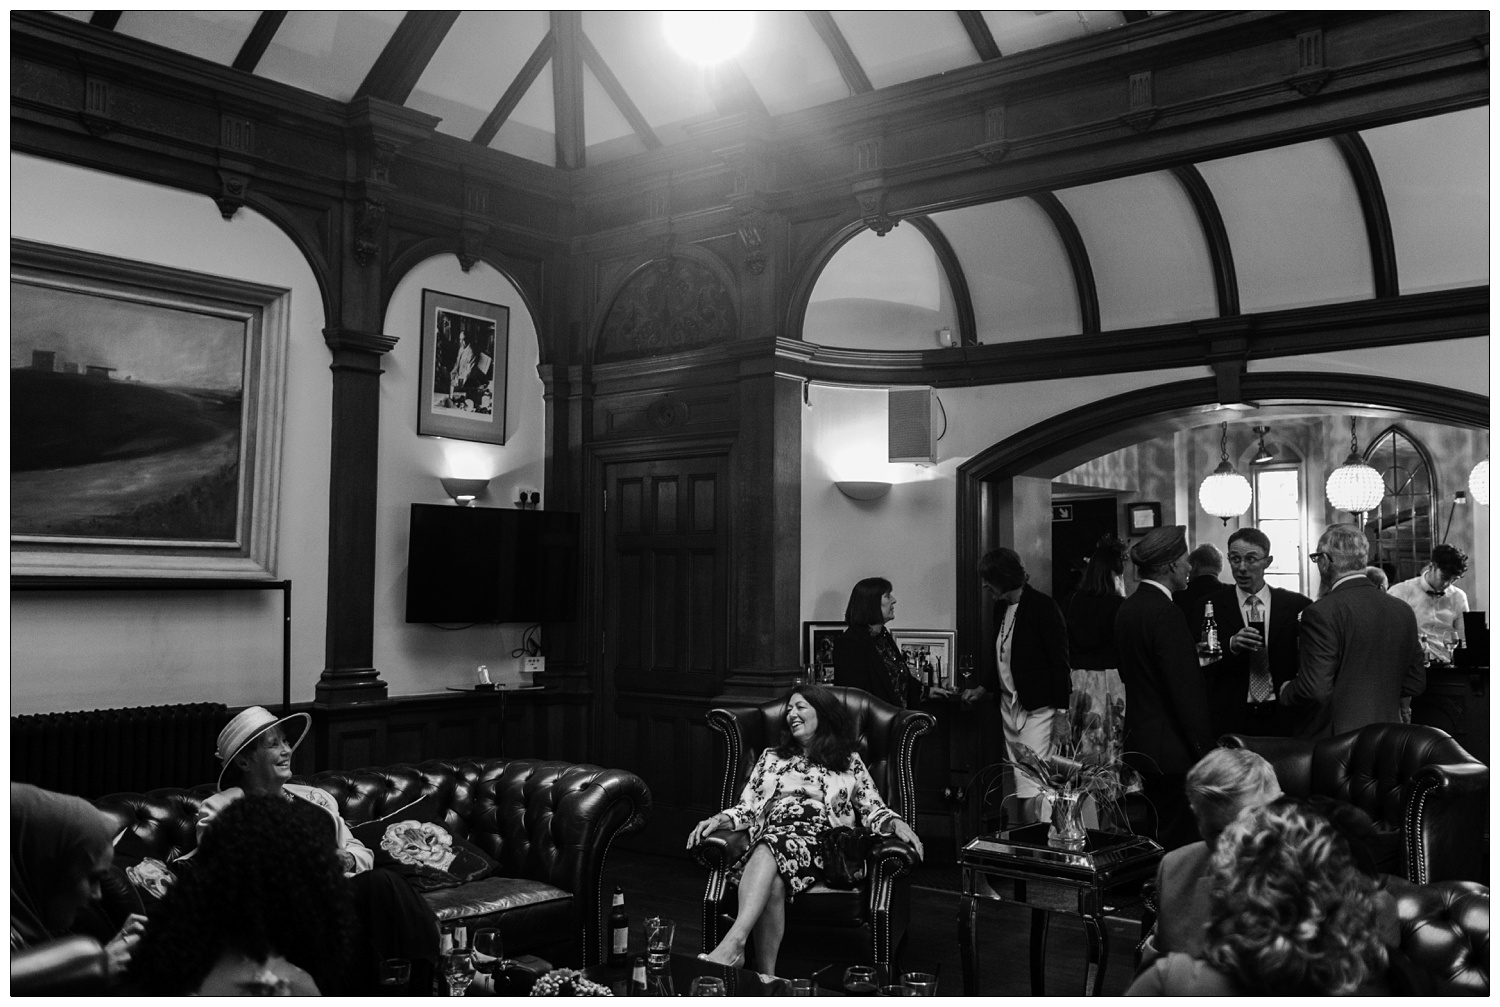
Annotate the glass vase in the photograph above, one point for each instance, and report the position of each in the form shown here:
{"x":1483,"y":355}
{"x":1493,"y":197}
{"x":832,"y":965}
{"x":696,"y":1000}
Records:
{"x":1067,"y":828}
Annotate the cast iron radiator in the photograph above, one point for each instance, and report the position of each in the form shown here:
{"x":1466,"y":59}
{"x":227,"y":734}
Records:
{"x":96,"y":752}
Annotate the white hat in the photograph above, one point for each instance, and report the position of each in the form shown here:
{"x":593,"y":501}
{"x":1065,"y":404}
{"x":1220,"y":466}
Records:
{"x":247,"y":725}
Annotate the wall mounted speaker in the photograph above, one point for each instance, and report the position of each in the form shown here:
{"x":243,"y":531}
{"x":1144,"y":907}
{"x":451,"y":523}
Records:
{"x":909,"y":434}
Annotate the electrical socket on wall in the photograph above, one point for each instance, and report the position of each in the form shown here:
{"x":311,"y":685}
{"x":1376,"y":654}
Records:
{"x":532,"y":665}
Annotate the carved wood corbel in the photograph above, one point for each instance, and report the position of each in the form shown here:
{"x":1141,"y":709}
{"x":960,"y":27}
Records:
{"x":236,"y":147}
{"x":996,"y":145}
{"x":871,"y":191}
{"x":1228,"y":354}
{"x":1311,"y":74}
{"x":1143,"y":110}
{"x":474,"y":230}
{"x":95,"y":116}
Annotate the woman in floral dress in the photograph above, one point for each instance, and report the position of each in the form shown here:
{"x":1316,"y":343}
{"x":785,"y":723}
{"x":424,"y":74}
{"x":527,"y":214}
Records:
{"x":813,"y":781}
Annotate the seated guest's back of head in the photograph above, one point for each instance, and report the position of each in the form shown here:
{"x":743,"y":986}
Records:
{"x":264,"y":886}
{"x":1225,"y":782}
{"x":1291,"y":911}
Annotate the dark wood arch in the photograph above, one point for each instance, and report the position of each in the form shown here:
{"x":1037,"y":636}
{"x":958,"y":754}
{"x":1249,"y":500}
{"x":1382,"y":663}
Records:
{"x":690,"y":252}
{"x":808,"y":271}
{"x":963,"y":303}
{"x":1215,"y":235}
{"x":1376,"y":213}
{"x":428,"y":248}
{"x":979,"y":478}
{"x":1078,"y":258}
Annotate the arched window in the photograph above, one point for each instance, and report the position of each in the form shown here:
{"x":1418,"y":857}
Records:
{"x":1401,"y":530}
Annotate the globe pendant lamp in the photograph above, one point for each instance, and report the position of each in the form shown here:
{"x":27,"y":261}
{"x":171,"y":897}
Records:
{"x":1226,"y":493}
{"x":1479,"y":482}
{"x":1354,"y":486}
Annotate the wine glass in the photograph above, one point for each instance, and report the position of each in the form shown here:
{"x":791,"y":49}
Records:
{"x":489,"y":954}
{"x":860,"y":981}
{"x":706,"y":986}
{"x":395,"y":973}
{"x":460,"y":971}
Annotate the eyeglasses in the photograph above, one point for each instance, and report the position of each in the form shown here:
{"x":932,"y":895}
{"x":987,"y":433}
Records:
{"x":1315,"y":556}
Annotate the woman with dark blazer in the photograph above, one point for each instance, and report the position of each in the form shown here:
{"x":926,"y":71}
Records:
{"x":866,"y":656}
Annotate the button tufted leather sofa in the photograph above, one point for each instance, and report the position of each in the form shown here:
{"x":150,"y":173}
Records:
{"x":1445,"y":932}
{"x":549,"y":825}
{"x":1407,"y":777}
{"x":870,"y":921}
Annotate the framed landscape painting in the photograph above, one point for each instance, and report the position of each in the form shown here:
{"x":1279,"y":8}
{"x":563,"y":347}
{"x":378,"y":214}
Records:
{"x":146,"y":418}
{"x":465,"y":346}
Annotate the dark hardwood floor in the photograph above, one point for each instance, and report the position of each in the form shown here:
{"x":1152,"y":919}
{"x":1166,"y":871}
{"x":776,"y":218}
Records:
{"x":672,"y":886}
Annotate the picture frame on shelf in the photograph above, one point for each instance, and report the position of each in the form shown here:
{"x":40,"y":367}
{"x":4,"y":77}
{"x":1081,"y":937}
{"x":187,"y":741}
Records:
{"x":147,"y":408}
{"x":1143,"y":517}
{"x":463,"y":378}
{"x":928,"y":647}
{"x":818,"y":639}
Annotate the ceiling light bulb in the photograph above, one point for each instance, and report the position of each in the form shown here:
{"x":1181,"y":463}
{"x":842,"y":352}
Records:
{"x":709,"y":37}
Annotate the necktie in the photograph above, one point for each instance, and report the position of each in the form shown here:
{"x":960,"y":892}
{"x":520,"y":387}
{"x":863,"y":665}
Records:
{"x":1262,"y":690}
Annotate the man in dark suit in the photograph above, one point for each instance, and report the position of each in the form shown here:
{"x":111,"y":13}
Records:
{"x":1205,"y":563}
{"x":1166,"y":707}
{"x":1242,"y":687}
{"x":1026,"y":666}
{"x":1359,"y":648}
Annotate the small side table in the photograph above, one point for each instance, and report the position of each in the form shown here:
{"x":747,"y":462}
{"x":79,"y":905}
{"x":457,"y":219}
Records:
{"x":1019,"y":866}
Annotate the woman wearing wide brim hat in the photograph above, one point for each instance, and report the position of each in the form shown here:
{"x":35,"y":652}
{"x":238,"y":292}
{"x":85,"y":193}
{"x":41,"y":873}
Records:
{"x":255,"y":753}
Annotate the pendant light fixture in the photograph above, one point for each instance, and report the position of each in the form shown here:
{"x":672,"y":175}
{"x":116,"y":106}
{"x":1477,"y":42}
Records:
{"x":1265,"y":455}
{"x":1354,"y":486}
{"x":1479,"y":482}
{"x":1226,"y":493}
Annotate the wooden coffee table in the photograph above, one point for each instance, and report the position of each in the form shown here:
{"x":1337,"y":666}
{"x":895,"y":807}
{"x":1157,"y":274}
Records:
{"x":1020,"y":866}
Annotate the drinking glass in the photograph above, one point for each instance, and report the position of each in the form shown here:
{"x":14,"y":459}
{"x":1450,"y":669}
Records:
{"x":706,"y":986}
{"x":859,"y":980}
{"x":659,"y":932}
{"x":802,"y":987}
{"x":897,"y":991}
{"x":460,"y":971}
{"x":395,"y":974}
{"x":965,"y":671}
{"x":489,"y":955}
{"x":925,"y":983}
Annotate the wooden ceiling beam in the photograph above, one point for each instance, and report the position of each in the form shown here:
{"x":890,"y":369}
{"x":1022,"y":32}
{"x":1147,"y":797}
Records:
{"x":617,"y":93}
{"x":1376,"y":213}
{"x":838,"y":46}
{"x":567,"y":87}
{"x":106,"y":19}
{"x":1078,"y":259}
{"x":1215,"y":236}
{"x":979,"y":34}
{"x":732,"y":93}
{"x":260,"y":37}
{"x":516,"y":91}
{"x":401,"y":63}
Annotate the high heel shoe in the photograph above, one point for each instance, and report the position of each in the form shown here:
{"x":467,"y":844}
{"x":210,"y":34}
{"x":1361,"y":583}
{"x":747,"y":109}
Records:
{"x":738,"y":962}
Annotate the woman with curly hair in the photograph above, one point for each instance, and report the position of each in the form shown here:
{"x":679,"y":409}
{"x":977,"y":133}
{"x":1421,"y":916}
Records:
{"x":263,"y":909}
{"x":811,"y":782}
{"x":1291,"y":914}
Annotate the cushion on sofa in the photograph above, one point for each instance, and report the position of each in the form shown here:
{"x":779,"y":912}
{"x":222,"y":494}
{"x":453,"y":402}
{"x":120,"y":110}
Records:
{"x":414,"y":842}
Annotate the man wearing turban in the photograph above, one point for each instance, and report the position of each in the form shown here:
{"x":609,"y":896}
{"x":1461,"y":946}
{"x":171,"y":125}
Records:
{"x":1166,"y":704}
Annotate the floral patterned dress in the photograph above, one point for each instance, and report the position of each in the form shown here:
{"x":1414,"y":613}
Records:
{"x":790,"y":802}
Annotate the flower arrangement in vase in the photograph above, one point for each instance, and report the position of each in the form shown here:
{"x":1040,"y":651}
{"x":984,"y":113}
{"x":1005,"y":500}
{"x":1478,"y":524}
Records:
{"x":1068,"y":778}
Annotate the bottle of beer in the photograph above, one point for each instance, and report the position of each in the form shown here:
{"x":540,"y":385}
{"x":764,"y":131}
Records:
{"x":1208,"y":643}
{"x":619,"y":930}
{"x":638,"y":976}
{"x":445,"y":948}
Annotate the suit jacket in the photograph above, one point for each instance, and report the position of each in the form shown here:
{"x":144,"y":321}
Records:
{"x":1190,"y":598}
{"x":1038,"y":653}
{"x":1183,"y":891}
{"x":1228,"y":680}
{"x":1167,"y":726}
{"x":857,"y":665}
{"x":1359,"y":654}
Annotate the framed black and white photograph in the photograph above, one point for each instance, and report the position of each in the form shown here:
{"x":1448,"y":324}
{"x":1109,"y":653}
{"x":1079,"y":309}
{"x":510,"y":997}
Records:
{"x":929,"y":654}
{"x":146,"y":418}
{"x":817,"y":642}
{"x":465,"y":345}
{"x":1143,"y":517}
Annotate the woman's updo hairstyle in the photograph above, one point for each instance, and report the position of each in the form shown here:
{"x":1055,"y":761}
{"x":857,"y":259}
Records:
{"x":833,"y":742}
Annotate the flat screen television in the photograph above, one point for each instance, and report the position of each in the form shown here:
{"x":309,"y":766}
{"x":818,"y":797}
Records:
{"x":488,"y":564}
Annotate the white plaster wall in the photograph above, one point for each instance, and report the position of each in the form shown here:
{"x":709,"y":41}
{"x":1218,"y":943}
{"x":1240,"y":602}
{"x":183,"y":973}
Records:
{"x":418,"y":658}
{"x":79,"y":652}
{"x":908,"y":536}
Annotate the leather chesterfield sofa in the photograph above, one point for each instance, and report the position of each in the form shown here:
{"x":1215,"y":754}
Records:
{"x":549,"y":825}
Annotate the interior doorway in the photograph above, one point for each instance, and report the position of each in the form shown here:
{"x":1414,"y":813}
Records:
{"x":1077,"y":524}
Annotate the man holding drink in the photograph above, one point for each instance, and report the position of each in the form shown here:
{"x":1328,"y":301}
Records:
{"x":1260,"y":624}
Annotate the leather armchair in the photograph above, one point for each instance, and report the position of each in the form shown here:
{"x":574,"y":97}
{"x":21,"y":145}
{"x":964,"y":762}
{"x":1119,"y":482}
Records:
{"x":71,"y":966}
{"x":1445,"y":932}
{"x":870,"y":921}
{"x":1407,"y":777}
{"x":549,"y":825}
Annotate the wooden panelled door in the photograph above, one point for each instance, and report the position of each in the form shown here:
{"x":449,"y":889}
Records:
{"x":665,"y":615}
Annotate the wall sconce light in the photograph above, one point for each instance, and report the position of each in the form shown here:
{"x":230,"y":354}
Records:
{"x":1460,"y":498}
{"x":863,"y":490}
{"x":464,"y":491}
